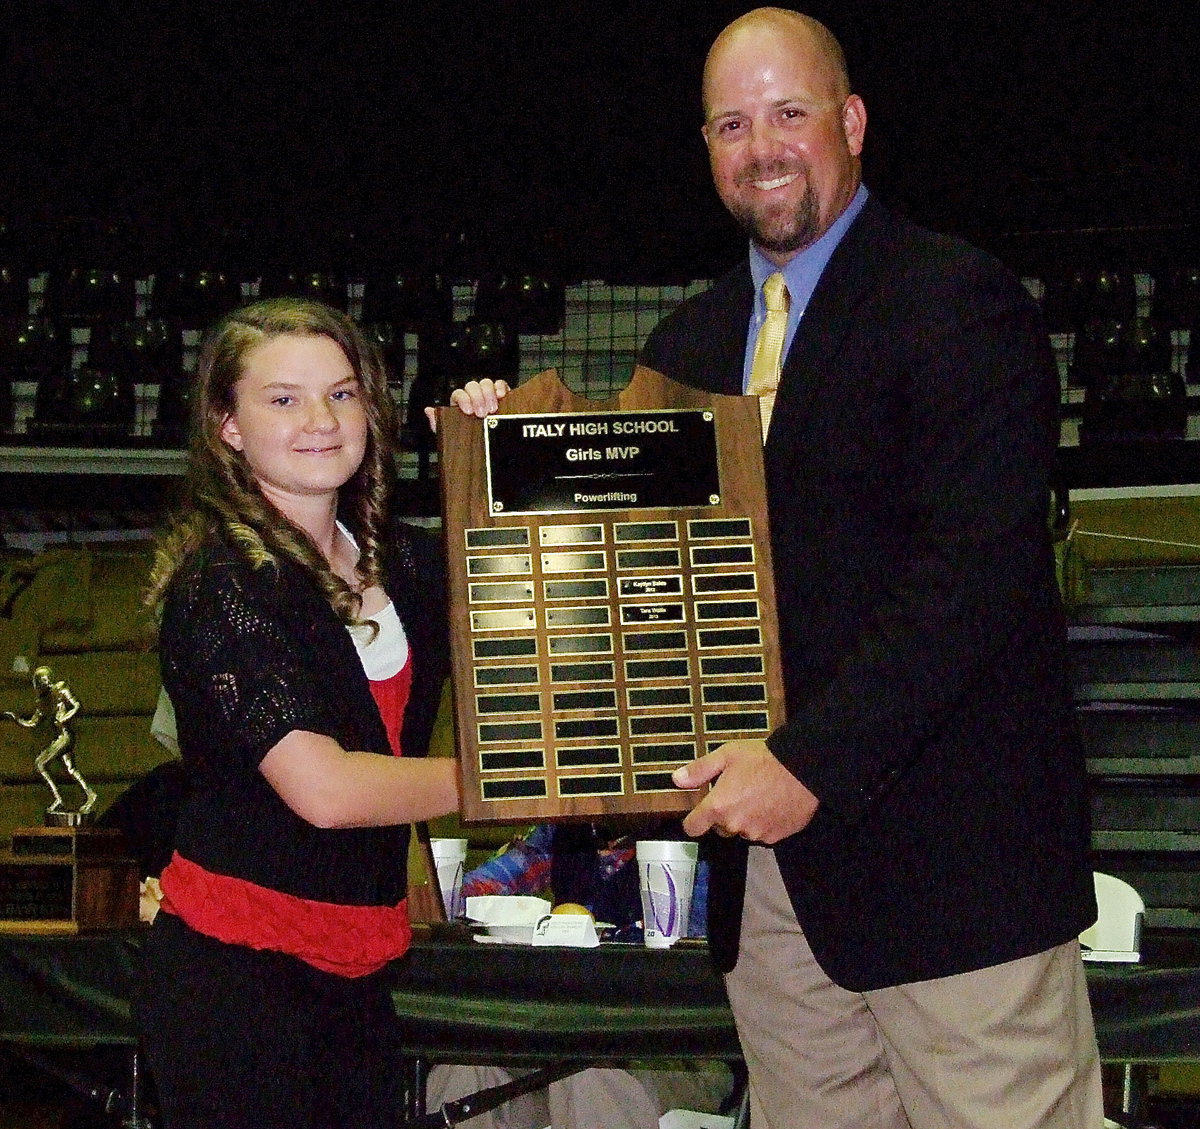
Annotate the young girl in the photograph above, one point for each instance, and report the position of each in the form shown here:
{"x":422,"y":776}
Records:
{"x":303,"y":645}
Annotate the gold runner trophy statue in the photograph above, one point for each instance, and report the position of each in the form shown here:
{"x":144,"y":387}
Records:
{"x":55,"y":701}
{"x":66,"y":876}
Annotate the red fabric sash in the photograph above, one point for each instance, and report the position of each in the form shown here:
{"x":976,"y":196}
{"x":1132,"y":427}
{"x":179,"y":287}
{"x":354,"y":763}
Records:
{"x":345,"y":940}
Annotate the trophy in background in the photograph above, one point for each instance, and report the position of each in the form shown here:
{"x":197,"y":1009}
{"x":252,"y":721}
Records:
{"x":57,"y":704}
{"x":68,"y":875}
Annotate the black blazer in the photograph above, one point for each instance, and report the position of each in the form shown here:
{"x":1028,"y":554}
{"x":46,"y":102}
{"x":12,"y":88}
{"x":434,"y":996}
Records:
{"x":907,"y":467}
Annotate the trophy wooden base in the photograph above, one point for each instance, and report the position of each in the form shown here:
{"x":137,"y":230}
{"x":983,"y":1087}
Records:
{"x":67,"y":880}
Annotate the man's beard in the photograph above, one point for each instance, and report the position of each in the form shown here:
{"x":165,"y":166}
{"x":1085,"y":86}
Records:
{"x":781,"y":233}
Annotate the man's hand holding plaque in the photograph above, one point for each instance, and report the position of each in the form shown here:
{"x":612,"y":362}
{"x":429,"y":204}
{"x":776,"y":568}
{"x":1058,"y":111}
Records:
{"x":752,"y":795}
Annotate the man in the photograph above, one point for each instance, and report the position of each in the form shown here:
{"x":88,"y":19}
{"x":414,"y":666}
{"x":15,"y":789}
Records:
{"x":912,"y":843}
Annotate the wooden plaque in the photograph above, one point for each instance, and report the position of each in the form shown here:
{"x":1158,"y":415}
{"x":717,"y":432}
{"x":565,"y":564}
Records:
{"x":67,"y":880}
{"x":611,"y":591}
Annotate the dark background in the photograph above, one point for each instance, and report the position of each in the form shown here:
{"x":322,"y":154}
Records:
{"x":565,"y":136}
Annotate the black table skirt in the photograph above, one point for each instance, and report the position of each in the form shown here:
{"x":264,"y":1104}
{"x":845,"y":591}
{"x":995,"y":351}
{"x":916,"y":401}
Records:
{"x":515,"y":1004}
{"x":466,"y":1001}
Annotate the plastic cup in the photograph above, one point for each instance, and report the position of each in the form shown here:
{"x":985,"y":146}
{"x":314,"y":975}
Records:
{"x":449,"y":856}
{"x":666,"y":870}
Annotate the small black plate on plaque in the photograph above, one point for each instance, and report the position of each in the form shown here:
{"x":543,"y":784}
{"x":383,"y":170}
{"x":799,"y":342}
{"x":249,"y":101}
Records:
{"x":603,"y":461}
{"x":36,"y":891}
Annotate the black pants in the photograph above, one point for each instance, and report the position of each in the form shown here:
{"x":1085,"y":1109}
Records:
{"x":237,"y":1037}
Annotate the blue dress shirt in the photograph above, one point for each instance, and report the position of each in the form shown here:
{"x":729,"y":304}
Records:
{"x":801,"y":275}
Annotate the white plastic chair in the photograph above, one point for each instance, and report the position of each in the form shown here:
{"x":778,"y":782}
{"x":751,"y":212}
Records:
{"x":1116,"y":936}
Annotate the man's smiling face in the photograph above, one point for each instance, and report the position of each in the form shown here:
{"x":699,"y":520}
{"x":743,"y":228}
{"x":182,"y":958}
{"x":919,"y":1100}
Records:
{"x":783,"y":135}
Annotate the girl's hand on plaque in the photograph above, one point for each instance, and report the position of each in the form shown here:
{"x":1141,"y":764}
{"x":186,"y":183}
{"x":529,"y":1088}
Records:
{"x":475,"y":398}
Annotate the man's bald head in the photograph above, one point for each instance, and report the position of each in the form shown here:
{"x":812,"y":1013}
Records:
{"x":806,"y":34}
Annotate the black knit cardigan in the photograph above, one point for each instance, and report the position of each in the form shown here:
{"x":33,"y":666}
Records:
{"x":248,"y":655}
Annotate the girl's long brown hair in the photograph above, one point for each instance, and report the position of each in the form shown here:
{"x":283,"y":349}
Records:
{"x":222,"y":499}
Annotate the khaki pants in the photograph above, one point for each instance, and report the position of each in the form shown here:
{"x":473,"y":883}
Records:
{"x":1008,"y":1047}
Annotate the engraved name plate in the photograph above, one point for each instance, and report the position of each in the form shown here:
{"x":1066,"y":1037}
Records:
{"x":601,"y":461}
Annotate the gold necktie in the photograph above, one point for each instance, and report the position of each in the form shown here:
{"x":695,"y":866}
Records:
{"x":768,"y":349}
